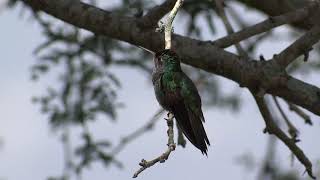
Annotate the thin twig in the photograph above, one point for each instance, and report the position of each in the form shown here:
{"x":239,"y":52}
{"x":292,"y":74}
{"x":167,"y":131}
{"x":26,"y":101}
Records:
{"x":300,"y":113}
{"x":266,"y":25}
{"x":272,"y":128}
{"x":292,"y":130}
{"x":221,"y":12}
{"x":169,"y":27}
{"x":163,"y":157}
{"x":138,"y":132}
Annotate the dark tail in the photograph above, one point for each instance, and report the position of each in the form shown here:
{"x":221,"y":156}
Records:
{"x":191,"y":126}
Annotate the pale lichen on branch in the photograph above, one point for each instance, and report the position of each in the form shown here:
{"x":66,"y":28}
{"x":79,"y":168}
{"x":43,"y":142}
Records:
{"x":168,"y":27}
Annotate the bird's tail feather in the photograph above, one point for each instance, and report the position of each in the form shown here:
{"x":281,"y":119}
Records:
{"x":191,"y":126}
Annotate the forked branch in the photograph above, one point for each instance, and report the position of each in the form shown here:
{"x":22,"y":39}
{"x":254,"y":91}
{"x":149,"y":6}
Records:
{"x":272,"y":128}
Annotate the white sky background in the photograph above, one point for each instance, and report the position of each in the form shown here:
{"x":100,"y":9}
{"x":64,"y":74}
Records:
{"x":32,"y":151}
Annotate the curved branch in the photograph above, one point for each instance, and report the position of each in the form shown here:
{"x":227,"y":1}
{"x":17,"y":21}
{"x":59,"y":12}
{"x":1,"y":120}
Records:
{"x":211,"y":58}
{"x":164,"y":156}
{"x":272,"y":128}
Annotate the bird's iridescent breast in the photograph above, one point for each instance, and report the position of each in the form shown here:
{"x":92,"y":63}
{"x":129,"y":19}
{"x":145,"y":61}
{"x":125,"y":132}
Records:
{"x":166,"y":90}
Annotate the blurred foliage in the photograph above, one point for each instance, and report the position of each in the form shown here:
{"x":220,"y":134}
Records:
{"x":82,"y":64}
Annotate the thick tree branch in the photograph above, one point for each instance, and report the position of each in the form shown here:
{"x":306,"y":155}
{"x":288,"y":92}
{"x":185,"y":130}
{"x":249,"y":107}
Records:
{"x":270,"y":23}
{"x":193,"y":52}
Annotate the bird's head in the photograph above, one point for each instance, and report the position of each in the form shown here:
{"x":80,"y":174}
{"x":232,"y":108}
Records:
{"x":167,"y":58}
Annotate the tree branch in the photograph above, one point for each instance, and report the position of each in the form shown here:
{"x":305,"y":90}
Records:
{"x":266,"y":25}
{"x":300,"y":113}
{"x":272,"y":128}
{"x":301,"y":46}
{"x":292,"y":130}
{"x":169,"y":27}
{"x":211,"y":59}
{"x":227,"y":25}
{"x":163,"y":157}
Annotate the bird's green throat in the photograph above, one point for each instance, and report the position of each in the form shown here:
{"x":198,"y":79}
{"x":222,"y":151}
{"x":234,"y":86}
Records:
{"x":171,"y":63}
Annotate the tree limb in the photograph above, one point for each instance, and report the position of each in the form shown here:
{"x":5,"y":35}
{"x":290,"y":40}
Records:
{"x":227,"y":25}
{"x":169,"y":27}
{"x":266,"y":25}
{"x":272,"y":128}
{"x":301,"y":46}
{"x":193,"y":52}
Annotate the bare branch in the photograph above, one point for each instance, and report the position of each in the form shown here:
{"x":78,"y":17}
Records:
{"x":272,"y":128}
{"x":163,"y":157}
{"x":266,"y":25}
{"x":168,"y":27}
{"x":300,"y":113}
{"x":301,"y":46}
{"x":292,"y":130}
{"x":227,"y":24}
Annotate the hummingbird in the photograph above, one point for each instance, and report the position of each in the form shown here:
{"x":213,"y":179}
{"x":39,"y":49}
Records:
{"x":177,"y":94}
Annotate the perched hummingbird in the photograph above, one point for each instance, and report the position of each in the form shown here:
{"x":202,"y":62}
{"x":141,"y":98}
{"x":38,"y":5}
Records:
{"x":177,"y":94}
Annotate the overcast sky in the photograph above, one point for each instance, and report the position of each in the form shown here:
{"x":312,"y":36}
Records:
{"x":31,"y":150}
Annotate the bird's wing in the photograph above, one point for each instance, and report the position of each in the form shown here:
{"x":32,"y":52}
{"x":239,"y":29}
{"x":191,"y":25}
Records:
{"x":191,"y":96}
{"x":188,"y":112}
